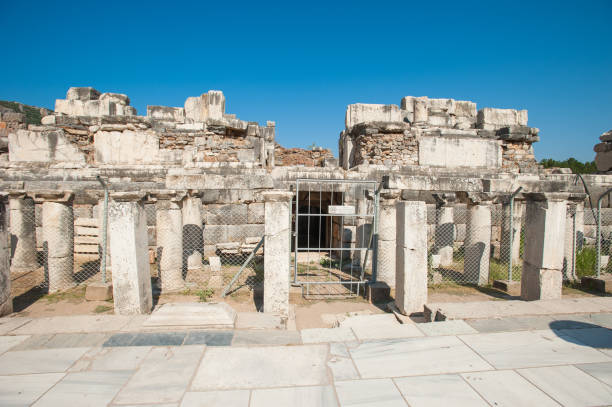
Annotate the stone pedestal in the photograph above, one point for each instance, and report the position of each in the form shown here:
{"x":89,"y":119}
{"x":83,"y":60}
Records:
{"x":277,"y":251}
{"x":169,"y":229}
{"x":411,"y":265}
{"x":6,"y":302}
{"x":58,"y":238}
{"x":193,"y":243}
{"x":129,"y":254}
{"x":385,"y":260}
{"x":445,"y":228}
{"x":478,"y":242}
{"x":516,"y":223}
{"x":544,"y":248}
{"x":24,"y":256}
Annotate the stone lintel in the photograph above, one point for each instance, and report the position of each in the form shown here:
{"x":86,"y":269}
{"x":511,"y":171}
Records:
{"x":390,"y":195}
{"x":52,"y":196}
{"x":16,"y":194}
{"x":548,"y":196}
{"x":444,"y":198}
{"x":277,"y":195}
{"x":129,"y":196}
{"x":173,"y":195}
{"x":477,"y":198}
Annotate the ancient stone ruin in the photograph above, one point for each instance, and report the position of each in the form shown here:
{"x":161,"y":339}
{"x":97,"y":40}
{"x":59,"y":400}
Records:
{"x":433,"y":185}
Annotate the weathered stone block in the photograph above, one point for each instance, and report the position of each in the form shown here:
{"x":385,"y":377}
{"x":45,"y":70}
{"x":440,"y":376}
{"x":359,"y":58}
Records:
{"x":231,"y":214}
{"x":82,"y":93}
{"x":364,"y":113}
{"x":99,"y":292}
{"x":540,"y":284}
{"x":255,"y":213}
{"x":378,"y":292}
{"x":214,"y":234}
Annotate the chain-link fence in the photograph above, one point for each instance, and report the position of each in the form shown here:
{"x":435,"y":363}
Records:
{"x":202,"y":249}
{"x":63,"y":253}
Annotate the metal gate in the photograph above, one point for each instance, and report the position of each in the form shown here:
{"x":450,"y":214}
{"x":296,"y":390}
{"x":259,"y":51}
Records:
{"x":334,"y":236}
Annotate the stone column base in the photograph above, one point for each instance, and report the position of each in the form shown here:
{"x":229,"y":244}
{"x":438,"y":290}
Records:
{"x":540,"y":284}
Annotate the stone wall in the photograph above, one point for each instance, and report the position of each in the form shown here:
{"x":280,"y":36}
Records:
{"x":438,"y":133}
{"x":603,"y":150}
{"x":316,"y":157}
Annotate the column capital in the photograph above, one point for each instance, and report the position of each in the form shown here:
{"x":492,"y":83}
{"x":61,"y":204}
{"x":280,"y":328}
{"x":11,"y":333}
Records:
{"x":173,"y":195}
{"x":16,"y":194}
{"x":129,"y":196}
{"x":53,"y":196}
{"x":277,"y":195}
{"x":390,"y":194}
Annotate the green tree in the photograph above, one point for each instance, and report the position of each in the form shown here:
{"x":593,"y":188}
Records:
{"x":576,"y":166}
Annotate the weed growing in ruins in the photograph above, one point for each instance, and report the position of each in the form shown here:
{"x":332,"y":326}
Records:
{"x":586,"y":262}
{"x":74,"y":295}
{"x":102,"y":308}
{"x":205,"y":294}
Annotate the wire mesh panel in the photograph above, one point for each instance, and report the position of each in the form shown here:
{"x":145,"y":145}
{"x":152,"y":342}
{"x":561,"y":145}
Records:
{"x":333,"y":230}
{"x":51,"y":248}
{"x":601,"y":225}
{"x":205,"y":247}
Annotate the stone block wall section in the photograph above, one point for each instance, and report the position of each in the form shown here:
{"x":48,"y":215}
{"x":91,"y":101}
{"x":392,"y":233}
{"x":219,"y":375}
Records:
{"x":438,"y":133}
{"x":97,"y":129}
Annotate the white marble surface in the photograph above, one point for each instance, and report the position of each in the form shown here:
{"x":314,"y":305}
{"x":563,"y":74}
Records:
{"x":230,"y":368}
{"x":507,"y":388}
{"x":439,"y":391}
{"x":321,"y":335}
{"x":23,"y":390}
{"x":510,"y":350}
{"x":569,"y":385}
{"x":7,"y":342}
{"x":452,"y":327}
{"x":374,"y":393}
{"x":416,"y":356}
{"x":85,"y":389}
{"x":601,"y":371}
{"x":163,"y":376}
{"x":229,"y":398}
{"x":342,"y":368}
{"x":312,"y":396}
{"x":39,"y":361}
{"x":114,"y":358}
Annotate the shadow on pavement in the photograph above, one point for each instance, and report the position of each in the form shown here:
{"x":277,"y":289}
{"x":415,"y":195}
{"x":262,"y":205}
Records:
{"x":583,"y":333}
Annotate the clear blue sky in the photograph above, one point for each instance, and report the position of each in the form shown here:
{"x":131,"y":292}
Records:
{"x":301,"y":63}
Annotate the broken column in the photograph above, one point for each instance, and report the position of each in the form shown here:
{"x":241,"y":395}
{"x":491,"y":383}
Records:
{"x":58,"y":238}
{"x":169,"y":228}
{"x":23,"y":233}
{"x":544,"y":249}
{"x":477,"y":244}
{"x":515,"y":221}
{"x":445,"y":228}
{"x":127,"y":223}
{"x":193,"y":243}
{"x":411,"y":260}
{"x":385,"y":261}
{"x":6,"y":302}
{"x":277,"y":250}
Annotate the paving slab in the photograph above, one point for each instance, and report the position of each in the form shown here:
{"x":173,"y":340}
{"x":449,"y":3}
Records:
{"x":209,"y":338}
{"x":23,"y":390}
{"x":507,"y":388}
{"x":8,"y":342}
{"x":342,"y":368}
{"x":415,"y":356}
{"x":258,"y":320}
{"x":204,"y":315}
{"x":229,"y":398}
{"x":320,"y":335}
{"x":267,"y":337}
{"x":600,"y":338}
{"x":163,"y":376}
{"x":8,"y":324}
{"x":340,"y":349}
{"x":255,"y":367}
{"x":39,"y":361}
{"x":375,"y":393}
{"x":121,"y":339}
{"x":440,"y":328}
{"x":486,"y":309}
{"x":571,"y":306}
{"x":603,"y":320}
{"x":569,"y":385}
{"x":486,"y":325}
{"x":601,"y":371}
{"x":438,"y":391}
{"x":119,"y":358}
{"x":159,"y":339}
{"x":605,"y":303}
{"x":383,"y":331}
{"x":510,"y":350}
{"x":73,"y":324}
{"x":318,"y":396}
{"x":34,"y":342}
{"x":85,"y":389}
{"x":76,"y":340}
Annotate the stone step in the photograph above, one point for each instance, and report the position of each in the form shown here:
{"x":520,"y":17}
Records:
{"x":201,"y":315}
{"x":512,"y":308}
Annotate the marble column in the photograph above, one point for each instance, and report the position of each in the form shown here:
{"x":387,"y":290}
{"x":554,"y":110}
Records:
{"x":445,"y":228}
{"x":169,"y":224}
{"x":277,"y":250}
{"x":385,"y":259}
{"x":6,"y":302}
{"x":193,"y":243}
{"x":478,"y":242}
{"x":544,"y":249}
{"x":24,"y":256}
{"x":58,"y":238}
{"x":127,"y":224}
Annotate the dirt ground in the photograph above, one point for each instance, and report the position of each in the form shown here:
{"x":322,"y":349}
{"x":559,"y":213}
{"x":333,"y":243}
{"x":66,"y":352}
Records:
{"x":309,"y":313}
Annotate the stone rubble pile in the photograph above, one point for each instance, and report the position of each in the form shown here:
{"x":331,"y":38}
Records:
{"x":603,"y":158}
{"x":423,"y":131}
